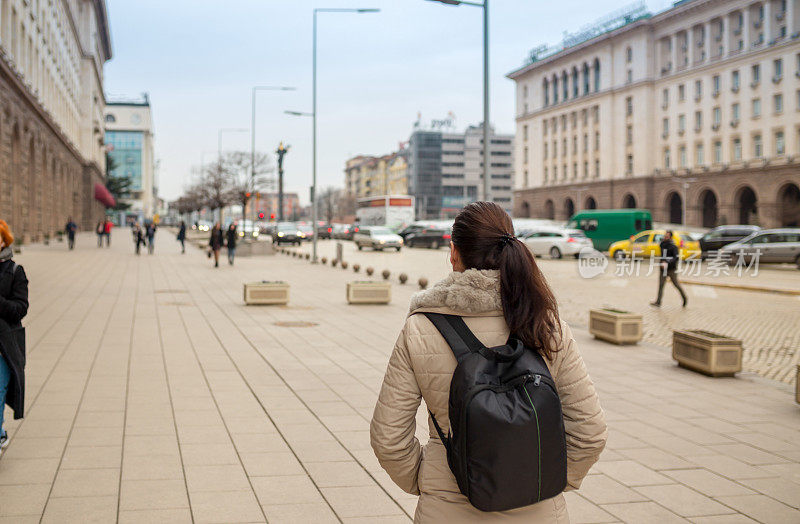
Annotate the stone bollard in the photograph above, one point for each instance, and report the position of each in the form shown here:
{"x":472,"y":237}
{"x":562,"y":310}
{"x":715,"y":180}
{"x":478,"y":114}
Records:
{"x":344,"y":264}
{"x":423,"y":283}
{"x":356,"y":268}
{"x":370,"y":271}
{"x":386,"y":274}
{"x":334,"y":262}
{"x":324,"y":260}
{"x":308,"y":256}
{"x":403,"y":277}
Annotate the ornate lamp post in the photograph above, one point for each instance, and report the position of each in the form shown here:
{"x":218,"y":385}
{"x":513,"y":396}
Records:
{"x":281,"y":152}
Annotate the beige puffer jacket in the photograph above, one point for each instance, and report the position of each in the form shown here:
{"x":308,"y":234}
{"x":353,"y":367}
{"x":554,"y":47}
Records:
{"x":421,"y":367}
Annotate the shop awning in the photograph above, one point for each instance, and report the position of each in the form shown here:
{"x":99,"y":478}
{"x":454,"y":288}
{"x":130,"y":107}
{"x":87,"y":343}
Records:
{"x":102,"y":195}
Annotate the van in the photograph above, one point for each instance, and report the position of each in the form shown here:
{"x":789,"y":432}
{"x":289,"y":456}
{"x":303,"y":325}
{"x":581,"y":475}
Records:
{"x":606,"y":226}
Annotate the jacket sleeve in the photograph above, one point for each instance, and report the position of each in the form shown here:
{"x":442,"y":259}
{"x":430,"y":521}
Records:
{"x":584,"y":420}
{"x":394,"y":420}
{"x":14,"y":307}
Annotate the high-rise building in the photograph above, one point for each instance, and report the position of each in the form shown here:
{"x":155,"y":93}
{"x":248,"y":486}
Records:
{"x":52,"y":155}
{"x":129,"y":140}
{"x":445,"y":170}
{"x":691,"y":112}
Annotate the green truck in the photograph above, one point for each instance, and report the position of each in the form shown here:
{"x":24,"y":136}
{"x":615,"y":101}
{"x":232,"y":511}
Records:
{"x":606,"y":226}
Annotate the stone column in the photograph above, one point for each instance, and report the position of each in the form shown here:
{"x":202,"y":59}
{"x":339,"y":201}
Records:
{"x":790,"y":9}
{"x":708,"y":41}
{"x":689,"y":44}
{"x":746,"y":28}
{"x":725,"y":33}
{"x":767,"y":24}
{"x":674,"y":53}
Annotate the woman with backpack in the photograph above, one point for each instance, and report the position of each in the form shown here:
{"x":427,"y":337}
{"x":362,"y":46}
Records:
{"x":535,"y":424}
{"x":215,"y":242}
{"x":13,"y":308}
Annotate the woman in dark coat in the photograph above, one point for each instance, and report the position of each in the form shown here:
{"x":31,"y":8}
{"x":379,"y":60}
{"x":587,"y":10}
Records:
{"x":216,"y":242}
{"x":182,"y":236}
{"x":13,"y":308}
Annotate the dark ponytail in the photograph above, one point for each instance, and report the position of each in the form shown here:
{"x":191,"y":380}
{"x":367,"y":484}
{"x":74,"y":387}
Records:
{"x":484,"y":236}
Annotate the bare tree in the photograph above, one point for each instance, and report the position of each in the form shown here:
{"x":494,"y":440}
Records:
{"x":346,"y":204}
{"x":215,"y":186}
{"x":244,"y":181}
{"x":328,"y":200}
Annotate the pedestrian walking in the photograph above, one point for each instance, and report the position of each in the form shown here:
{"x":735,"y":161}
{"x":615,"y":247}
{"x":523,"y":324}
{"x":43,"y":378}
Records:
{"x":107,"y":227}
{"x":670,"y":255}
{"x":497,"y":295}
{"x":13,"y":308}
{"x":151,"y":235}
{"x":230,"y":242}
{"x":138,"y":236}
{"x":100,"y":230}
{"x":182,"y":236}
{"x":215,"y":243}
{"x":70,"y":229}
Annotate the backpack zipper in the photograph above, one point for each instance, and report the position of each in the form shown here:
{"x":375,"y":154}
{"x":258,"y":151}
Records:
{"x":537,"y":379}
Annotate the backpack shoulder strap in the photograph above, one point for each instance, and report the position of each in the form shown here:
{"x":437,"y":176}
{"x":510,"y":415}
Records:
{"x":456,"y":333}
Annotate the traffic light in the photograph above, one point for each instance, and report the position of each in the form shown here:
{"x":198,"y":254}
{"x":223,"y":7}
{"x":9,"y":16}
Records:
{"x":261,"y":215}
{"x":272,"y":216}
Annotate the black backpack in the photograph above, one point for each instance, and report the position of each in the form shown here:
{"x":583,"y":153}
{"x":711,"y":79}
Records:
{"x":506,"y":447}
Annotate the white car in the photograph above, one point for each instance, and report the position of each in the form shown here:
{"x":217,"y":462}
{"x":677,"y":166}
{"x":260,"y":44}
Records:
{"x":378,"y":238}
{"x":556,"y":242}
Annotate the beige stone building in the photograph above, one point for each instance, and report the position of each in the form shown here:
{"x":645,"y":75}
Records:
{"x":697,"y":106}
{"x":52,"y":152}
{"x":367,"y":176}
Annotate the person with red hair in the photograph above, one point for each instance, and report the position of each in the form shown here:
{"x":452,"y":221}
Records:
{"x":13,"y":307}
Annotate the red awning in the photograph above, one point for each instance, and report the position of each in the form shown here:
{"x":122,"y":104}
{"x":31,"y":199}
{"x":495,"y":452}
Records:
{"x":102,"y":195}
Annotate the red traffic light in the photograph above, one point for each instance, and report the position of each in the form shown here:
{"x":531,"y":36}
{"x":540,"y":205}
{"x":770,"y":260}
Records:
{"x":247,"y":194}
{"x":261,"y":215}
{"x":272,"y":216}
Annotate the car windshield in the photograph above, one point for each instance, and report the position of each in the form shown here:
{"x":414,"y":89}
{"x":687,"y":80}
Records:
{"x":577,"y":233}
{"x":304,"y":228}
{"x":287,"y":227}
{"x":381,"y":231}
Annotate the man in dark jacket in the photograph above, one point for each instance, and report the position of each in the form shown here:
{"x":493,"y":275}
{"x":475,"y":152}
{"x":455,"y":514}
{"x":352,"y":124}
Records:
{"x":70,"y":230}
{"x":670,"y":255}
{"x":13,"y":307}
{"x":182,"y":236}
{"x":230,"y":242}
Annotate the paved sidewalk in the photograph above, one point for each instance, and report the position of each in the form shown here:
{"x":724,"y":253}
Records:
{"x":154,"y":395}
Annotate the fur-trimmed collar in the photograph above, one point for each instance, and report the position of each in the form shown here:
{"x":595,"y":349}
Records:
{"x":475,"y":291}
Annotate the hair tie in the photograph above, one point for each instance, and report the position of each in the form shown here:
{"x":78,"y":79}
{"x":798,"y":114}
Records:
{"x":506,"y":239}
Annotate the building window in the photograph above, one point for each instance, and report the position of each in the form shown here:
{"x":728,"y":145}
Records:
{"x":629,"y":55}
{"x":665,"y":126}
{"x":735,"y":81}
{"x":682,"y":156}
{"x":545,"y":151}
{"x":596,"y":114}
{"x":717,"y":117}
{"x":756,"y":69}
{"x":565,"y":170}
{"x":554,"y":125}
{"x":596,"y":168}
{"x":717,"y":152}
{"x":735,"y":112}
{"x":666,"y":159}
{"x":780,"y":144}
{"x":665,"y":98}
{"x":777,"y":69}
{"x":629,"y":106}
{"x":111,"y":118}
{"x":546,"y":90}
{"x":698,"y":120}
{"x":585,"y":117}
{"x":563,"y":122}
{"x":629,"y":78}
{"x":756,"y":107}
{"x":525,"y":157}
{"x":555,"y":89}
{"x":698,"y":89}
{"x":575,"y":170}
{"x":544,"y":127}
{"x":575,"y":145}
{"x":681,"y":93}
{"x":585,"y":142}
{"x":525,"y":132}
{"x":681,"y":124}
{"x":574,"y":119}
{"x":758,"y":147}
{"x":596,"y":75}
{"x":586,"y":170}
{"x":737,"y":149}
{"x":564,"y":86}
{"x":585,"y":79}
{"x":798,"y":99}
{"x":629,"y":165}
{"x":575,"y":86}
{"x":555,"y":172}
{"x":597,"y":141}
{"x":715,"y":85}
{"x":555,"y":148}
{"x":629,"y":135}
{"x":545,"y":175}
{"x":564,"y":148}
{"x":699,"y":155}
{"x":778,"y":103}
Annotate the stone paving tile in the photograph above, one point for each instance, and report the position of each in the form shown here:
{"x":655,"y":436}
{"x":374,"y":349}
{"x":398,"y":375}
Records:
{"x":80,"y":510}
{"x":150,"y":369}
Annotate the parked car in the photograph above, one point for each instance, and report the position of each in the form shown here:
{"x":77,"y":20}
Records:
{"x":433,"y":238}
{"x":349,"y":231}
{"x":324,"y":231}
{"x":647,"y":244}
{"x":721,"y":236}
{"x":305,"y":232}
{"x":287,"y":233}
{"x":774,"y":246}
{"x":378,"y":238}
{"x":556,"y":242}
{"x":411,"y":229}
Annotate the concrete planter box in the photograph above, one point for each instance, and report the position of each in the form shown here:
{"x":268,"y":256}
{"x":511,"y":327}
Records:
{"x":248,"y":249}
{"x":369,"y":292}
{"x":707,"y":352}
{"x":797,"y":385}
{"x":617,"y":327}
{"x":266,"y":293}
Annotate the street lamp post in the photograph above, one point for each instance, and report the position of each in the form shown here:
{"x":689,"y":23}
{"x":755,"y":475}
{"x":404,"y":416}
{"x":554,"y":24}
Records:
{"x":313,"y":115}
{"x":487,"y":159}
{"x":253,"y":142}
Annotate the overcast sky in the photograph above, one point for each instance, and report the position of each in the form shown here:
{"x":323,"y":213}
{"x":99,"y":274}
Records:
{"x":198,"y":60}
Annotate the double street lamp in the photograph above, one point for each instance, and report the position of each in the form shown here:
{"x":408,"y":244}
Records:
{"x":487,"y":160}
{"x":253,"y":145}
{"x":313,"y":115}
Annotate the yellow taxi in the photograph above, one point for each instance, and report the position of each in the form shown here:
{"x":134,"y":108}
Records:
{"x":647,"y":244}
